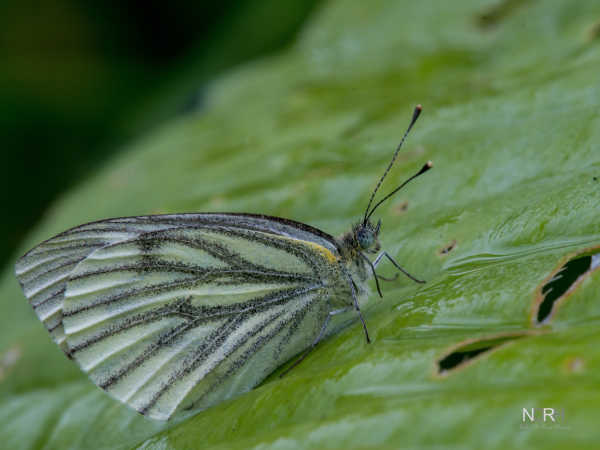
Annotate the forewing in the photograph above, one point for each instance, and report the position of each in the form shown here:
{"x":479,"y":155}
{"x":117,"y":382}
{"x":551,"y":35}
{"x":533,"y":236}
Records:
{"x":43,"y":271}
{"x":194,"y":311}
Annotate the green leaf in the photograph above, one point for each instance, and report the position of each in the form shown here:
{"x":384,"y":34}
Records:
{"x":511,"y":119}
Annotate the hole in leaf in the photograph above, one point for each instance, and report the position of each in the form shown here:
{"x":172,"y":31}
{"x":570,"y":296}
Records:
{"x":563,"y":282}
{"x":400,"y":208}
{"x":467,"y":351}
{"x":498,"y":12}
{"x":460,"y":357}
{"x":447,"y":248}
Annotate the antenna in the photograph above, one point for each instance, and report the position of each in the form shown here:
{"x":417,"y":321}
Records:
{"x":415,"y":116}
{"x":424,"y":169}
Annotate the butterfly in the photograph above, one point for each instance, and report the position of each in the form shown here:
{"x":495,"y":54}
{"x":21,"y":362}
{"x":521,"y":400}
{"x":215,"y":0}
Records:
{"x":171,"y":314}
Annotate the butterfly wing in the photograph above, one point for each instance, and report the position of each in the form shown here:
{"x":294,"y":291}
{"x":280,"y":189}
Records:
{"x":178,"y":312}
{"x":43,"y":272}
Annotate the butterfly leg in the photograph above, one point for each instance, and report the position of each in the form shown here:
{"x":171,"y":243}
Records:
{"x":394,"y":278}
{"x":377,"y":276}
{"x":355,"y":300}
{"x":317,"y":340}
{"x":393,"y":261}
{"x":374,"y":273}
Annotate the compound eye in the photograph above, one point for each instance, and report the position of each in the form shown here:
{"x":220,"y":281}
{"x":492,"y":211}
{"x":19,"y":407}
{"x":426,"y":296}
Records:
{"x":365,"y":238}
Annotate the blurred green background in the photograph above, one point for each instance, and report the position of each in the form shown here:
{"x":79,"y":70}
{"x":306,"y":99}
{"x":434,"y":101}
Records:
{"x":79,"y":79}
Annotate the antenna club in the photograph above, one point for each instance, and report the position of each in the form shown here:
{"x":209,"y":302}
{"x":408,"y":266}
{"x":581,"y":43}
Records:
{"x":416,"y":114}
{"x":428,"y":165}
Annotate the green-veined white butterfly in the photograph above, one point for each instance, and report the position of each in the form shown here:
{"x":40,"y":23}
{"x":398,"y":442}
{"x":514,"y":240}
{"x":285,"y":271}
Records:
{"x":175,"y":313}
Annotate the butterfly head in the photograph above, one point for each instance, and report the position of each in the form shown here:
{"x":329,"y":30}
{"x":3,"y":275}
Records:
{"x":366,"y":236}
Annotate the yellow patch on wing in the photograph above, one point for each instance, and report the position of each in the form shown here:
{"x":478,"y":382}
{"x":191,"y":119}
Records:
{"x":326,"y":253}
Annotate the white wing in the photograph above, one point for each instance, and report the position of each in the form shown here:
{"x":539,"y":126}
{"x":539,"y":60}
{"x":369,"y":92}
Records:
{"x":169,"y":313}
